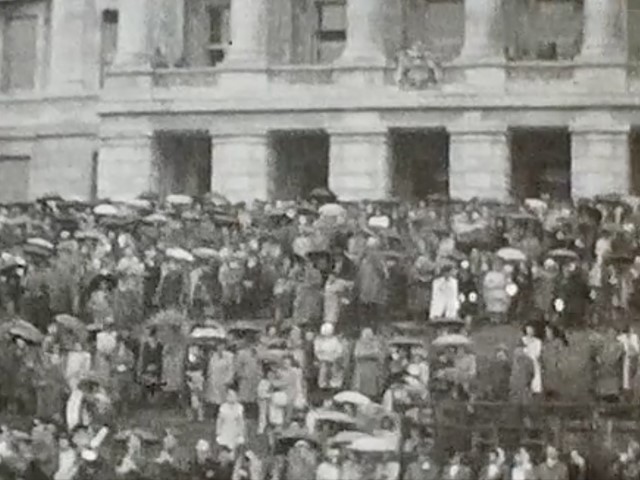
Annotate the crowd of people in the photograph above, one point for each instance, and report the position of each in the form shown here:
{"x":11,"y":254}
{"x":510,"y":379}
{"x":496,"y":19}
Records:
{"x":316,"y":337}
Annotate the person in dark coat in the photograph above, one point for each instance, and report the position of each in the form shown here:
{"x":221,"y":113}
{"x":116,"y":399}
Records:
{"x":496,"y":376}
{"x":150,"y":281}
{"x":574,"y":291}
{"x":522,"y":372}
{"x":150,"y":364}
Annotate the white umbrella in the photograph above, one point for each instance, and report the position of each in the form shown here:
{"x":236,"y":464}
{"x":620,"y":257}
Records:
{"x":106,"y":210}
{"x":511,"y":254}
{"x":452,"y":340}
{"x":205,"y":253}
{"x":41,"y":242}
{"x":347,"y":437}
{"x":179,"y":254}
{"x":179,"y":200}
{"x":373,"y":444}
{"x":331,"y":210}
{"x":208,"y":332}
{"x":355,"y":398}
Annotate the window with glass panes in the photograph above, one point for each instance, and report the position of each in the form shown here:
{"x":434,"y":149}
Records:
{"x":219,"y":33}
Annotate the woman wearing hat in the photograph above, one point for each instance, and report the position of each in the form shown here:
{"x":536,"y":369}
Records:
{"x":301,"y":462}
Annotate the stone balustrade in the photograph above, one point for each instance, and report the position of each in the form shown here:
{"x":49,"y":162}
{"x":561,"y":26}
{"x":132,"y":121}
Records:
{"x":520,"y":74}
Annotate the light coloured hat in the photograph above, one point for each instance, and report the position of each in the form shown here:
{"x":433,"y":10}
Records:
{"x":326,"y":329}
{"x":203,"y":445}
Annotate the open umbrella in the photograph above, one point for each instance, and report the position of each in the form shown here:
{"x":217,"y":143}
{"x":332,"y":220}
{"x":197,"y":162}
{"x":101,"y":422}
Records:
{"x":72,"y":324}
{"x":332,"y":416}
{"x":406,"y":341}
{"x":289,"y":438}
{"x":179,"y":255}
{"x":25,"y":330}
{"x":346,"y":437}
{"x":355,"y":398}
{"x":210,"y":332}
{"x":142,"y":434}
{"x":331,"y":210}
{"x":205,"y":253}
{"x":155,"y":219}
{"x":563,"y":254}
{"x":179,"y":200}
{"x":106,"y":210}
{"x":216,"y":199}
{"x":373,"y":444}
{"x":452,"y":340}
{"x":510,"y":254}
{"x":89,"y":235}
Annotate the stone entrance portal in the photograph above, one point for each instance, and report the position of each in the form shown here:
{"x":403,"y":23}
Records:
{"x":184,"y":162}
{"x":420,"y":163}
{"x":541,"y":162}
{"x":301,"y":162}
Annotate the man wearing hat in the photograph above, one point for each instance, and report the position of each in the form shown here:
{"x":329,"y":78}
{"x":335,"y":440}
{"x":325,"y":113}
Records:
{"x":36,"y":299}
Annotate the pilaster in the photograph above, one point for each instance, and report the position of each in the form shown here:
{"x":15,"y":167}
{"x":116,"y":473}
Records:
{"x":359,"y":164}
{"x":242,"y":166}
{"x":127,"y":165}
{"x":600,"y":156}
{"x":479,"y":160}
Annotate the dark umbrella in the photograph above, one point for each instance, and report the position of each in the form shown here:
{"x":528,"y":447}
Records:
{"x":95,"y":282}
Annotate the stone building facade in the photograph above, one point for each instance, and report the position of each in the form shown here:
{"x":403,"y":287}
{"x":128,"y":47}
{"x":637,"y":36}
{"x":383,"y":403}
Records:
{"x":267,"y":99}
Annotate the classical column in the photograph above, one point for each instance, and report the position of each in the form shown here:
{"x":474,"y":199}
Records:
{"x":128,"y":165}
{"x":67,"y":45}
{"x":601,"y":65}
{"x":242,"y":166}
{"x":600,"y":157}
{"x":249,"y":29}
{"x":245,"y":65}
{"x":483,"y":30}
{"x":602,"y":27}
{"x":482,"y":54}
{"x":364,"y":33}
{"x":363,"y":59}
{"x":133,"y":34}
{"x":479,"y":160}
{"x":359,"y":164}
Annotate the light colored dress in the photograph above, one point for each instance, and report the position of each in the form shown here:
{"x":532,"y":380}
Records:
{"x":533,"y":348}
{"x":219,"y":376}
{"x":230,"y":426}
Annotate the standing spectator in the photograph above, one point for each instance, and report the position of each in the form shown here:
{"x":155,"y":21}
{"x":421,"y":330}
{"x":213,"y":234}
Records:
{"x":301,"y":462}
{"x":609,"y":360}
{"x":220,"y":374}
{"x":230,"y":424}
{"x":631,"y":345}
{"x":248,"y":372}
{"x":371,"y":285}
{"x":420,"y":280}
{"x":444,"y":295}
{"x":494,"y":292}
{"x":522,"y":374}
{"x":368,"y":374}
{"x":552,"y":468}
{"x":78,"y":364}
{"x":150,"y":364}
{"x":533,"y":348}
